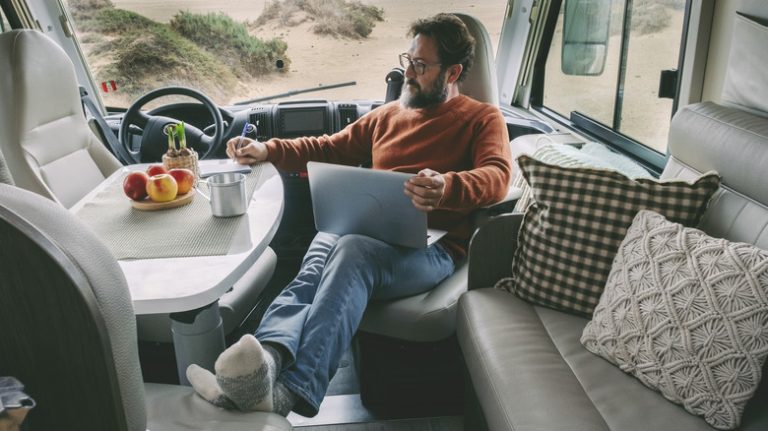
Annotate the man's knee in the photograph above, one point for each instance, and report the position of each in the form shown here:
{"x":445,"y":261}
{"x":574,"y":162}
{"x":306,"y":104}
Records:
{"x":361,"y":242}
{"x":354,"y":247}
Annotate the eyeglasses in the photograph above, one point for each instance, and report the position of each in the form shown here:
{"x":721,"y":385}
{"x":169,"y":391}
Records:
{"x":418,"y":66}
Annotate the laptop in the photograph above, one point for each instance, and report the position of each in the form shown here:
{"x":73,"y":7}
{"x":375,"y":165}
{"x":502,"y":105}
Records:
{"x":351,"y":200}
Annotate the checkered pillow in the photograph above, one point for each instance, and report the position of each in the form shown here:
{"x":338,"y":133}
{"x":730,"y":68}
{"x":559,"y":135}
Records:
{"x":592,"y":155}
{"x":571,"y":233}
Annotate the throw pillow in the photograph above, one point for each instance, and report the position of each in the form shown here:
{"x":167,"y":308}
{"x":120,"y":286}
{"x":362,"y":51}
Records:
{"x":687,"y":314}
{"x":571,"y":232}
{"x":614,"y":160}
{"x":591,"y":155}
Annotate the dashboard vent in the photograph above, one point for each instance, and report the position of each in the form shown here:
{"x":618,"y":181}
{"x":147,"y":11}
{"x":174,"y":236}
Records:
{"x":347,"y":114}
{"x":260,"y":117}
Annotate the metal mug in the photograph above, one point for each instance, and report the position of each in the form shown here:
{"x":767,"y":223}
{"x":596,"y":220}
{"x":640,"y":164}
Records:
{"x":227,"y":194}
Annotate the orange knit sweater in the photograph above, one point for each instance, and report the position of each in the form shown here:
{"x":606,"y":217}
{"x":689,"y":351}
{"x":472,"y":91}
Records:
{"x":463,"y":139}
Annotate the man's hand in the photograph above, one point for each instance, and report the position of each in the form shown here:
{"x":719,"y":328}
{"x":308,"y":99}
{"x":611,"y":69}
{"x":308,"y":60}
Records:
{"x":425,"y":189}
{"x":246,"y":151}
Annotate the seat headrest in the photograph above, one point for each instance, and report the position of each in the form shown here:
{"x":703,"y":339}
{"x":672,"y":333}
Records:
{"x":731,"y":141}
{"x":33,"y":61}
{"x":480,"y":84}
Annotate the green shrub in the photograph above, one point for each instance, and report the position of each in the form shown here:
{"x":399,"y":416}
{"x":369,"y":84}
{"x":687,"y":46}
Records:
{"x":202,"y":51}
{"x":341,"y":18}
{"x":230,"y":41}
{"x":109,"y":20}
{"x":156,"y":56}
{"x":88,"y":5}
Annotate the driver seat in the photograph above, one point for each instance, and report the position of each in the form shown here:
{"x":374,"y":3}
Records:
{"x":49,"y":147}
{"x":51,"y":150}
{"x":407,"y":346}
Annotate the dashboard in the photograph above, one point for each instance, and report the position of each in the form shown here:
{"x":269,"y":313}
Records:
{"x":305,"y":118}
{"x":272,"y":120}
{"x":287,"y":120}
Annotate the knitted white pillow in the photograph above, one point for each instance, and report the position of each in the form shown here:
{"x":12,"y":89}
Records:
{"x":687,"y":314}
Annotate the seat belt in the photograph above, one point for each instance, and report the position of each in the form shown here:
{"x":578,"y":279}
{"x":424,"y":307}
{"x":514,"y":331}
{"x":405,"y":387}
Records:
{"x":106,"y":132}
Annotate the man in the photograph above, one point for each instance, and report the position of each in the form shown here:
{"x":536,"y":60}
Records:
{"x":458,"y":148}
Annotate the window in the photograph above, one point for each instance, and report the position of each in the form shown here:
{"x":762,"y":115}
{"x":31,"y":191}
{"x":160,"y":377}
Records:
{"x":643,"y":38}
{"x":4,"y":25}
{"x":235,"y":50}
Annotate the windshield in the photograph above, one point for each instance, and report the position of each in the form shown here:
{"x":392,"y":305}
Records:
{"x":236,"y":50}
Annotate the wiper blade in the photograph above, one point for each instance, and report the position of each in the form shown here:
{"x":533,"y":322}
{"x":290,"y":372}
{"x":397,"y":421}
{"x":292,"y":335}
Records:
{"x":295,"y":92}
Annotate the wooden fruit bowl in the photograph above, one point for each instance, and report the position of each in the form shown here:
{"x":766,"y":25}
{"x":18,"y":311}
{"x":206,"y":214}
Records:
{"x":150,"y":205}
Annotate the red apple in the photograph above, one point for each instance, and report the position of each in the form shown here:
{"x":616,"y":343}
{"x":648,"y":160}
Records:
{"x":153,"y":170}
{"x":162,"y":188}
{"x":135,"y":185}
{"x":185,"y":179}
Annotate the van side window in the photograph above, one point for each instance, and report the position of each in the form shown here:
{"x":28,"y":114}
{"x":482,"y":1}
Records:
{"x":611,"y":79}
{"x":4,"y":25}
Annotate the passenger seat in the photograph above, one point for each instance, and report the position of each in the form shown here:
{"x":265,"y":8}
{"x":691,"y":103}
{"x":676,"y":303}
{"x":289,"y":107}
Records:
{"x":51,"y":150}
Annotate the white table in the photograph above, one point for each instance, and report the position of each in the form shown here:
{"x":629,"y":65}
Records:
{"x":156,"y":286}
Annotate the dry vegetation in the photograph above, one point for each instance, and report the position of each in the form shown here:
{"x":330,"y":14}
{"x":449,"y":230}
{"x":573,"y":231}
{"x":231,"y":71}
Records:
{"x":342,"y":18}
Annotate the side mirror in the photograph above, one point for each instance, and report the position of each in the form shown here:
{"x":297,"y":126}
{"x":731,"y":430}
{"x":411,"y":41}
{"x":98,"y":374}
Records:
{"x":585,"y":36}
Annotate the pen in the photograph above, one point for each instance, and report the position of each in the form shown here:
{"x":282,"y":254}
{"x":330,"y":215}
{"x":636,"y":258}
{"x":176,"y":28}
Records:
{"x":242,"y":135}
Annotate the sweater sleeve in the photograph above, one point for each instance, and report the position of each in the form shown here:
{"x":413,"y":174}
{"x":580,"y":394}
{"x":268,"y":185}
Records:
{"x":351,"y":146}
{"x":488,"y":180}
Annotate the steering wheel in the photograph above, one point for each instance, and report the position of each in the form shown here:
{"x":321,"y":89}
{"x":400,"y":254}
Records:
{"x":154,"y":142}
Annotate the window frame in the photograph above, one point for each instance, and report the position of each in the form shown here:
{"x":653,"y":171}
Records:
{"x":584,"y":124}
{"x":10,"y":15}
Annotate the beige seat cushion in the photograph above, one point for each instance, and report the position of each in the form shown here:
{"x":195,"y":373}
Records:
{"x":429,"y":316}
{"x":530,"y":372}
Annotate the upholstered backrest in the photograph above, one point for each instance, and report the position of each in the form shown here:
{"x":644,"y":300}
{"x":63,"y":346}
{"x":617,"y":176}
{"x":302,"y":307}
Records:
{"x":733,"y":142}
{"x":68,"y":327}
{"x":480,"y":84}
{"x":44,"y":135}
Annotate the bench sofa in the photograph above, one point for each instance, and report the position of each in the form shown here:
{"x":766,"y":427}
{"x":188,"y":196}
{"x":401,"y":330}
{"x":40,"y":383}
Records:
{"x":526,"y":366}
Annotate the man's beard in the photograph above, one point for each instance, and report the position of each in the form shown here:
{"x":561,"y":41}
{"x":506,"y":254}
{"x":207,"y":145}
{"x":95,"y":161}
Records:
{"x":419,"y":98}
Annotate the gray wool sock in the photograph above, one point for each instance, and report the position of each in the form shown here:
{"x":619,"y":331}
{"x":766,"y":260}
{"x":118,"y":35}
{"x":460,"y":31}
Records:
{"x":276,"y":354}
{"x":284,"y":399}
{"x":206,"y":386}
{"x":246,"y":373}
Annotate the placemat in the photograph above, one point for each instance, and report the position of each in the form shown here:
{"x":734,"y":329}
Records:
{"x":185,"y":231}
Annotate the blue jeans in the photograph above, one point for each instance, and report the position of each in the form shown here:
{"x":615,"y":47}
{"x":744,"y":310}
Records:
{"x":317,"y":314}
